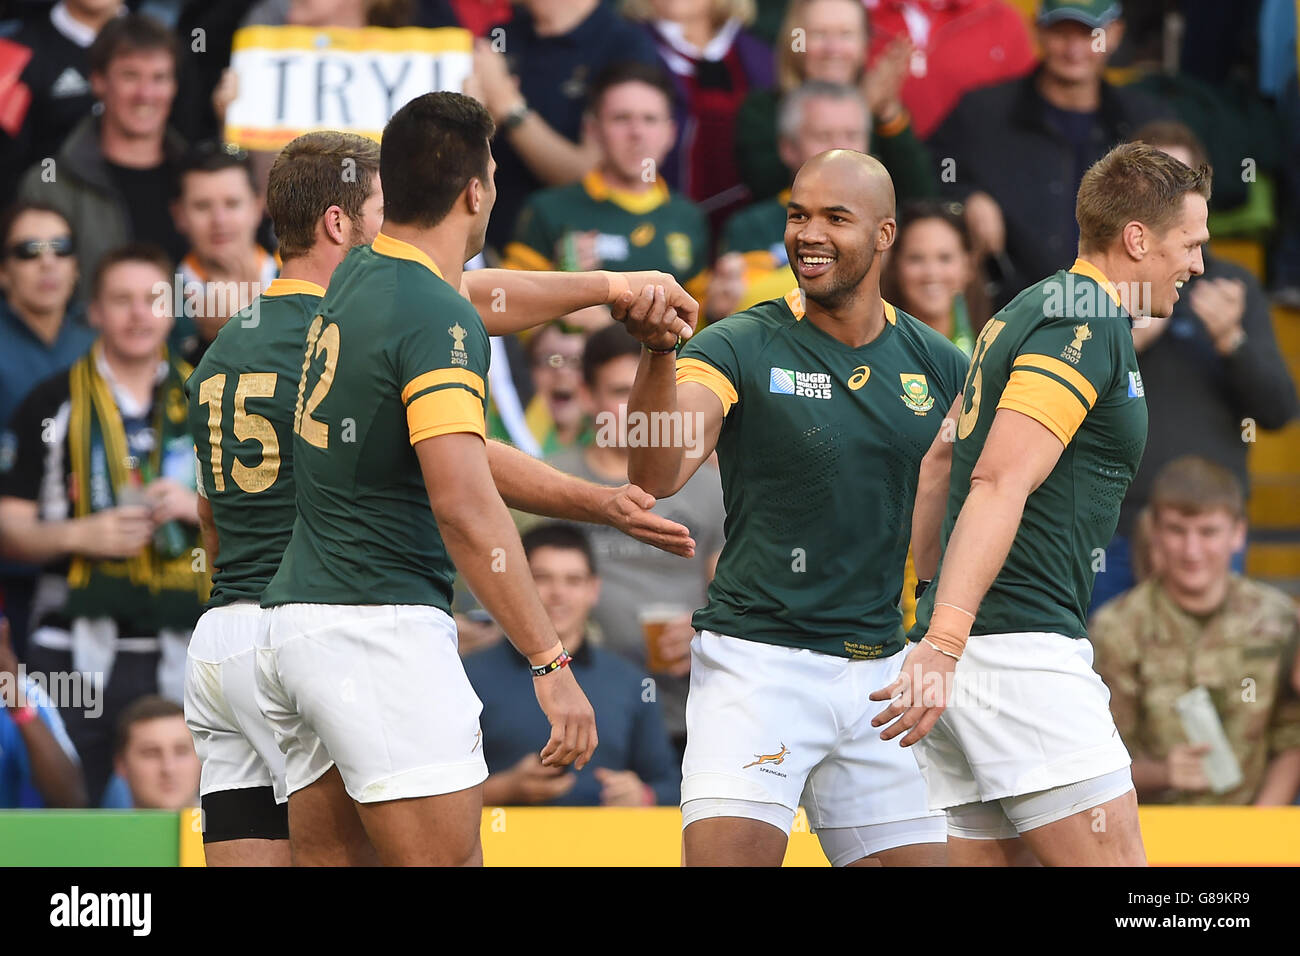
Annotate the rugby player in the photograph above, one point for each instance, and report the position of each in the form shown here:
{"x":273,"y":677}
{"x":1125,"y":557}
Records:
{"x":1051,"y":427}
{"x":242,"y":403}
{"x":820,"y":406}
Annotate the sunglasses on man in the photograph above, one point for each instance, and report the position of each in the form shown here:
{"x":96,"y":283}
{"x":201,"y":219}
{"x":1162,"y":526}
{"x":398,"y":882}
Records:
{"x":32,"y":248}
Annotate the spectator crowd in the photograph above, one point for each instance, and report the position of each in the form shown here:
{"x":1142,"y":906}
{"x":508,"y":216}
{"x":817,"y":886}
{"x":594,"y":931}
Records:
{"x":631,"y":135}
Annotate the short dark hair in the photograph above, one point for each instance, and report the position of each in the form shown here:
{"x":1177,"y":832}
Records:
{"x":16,"y":211}
{"x":603,"y":346}
{"x":131,"y":33}
{"x":1193,"y":485}
{"x":1163,"y":133}
{"x":307,"y":178}
{"x":150,"y":707}
{"x":213,"y":156}
{"x":559,"y":534}
{"x":129,"y":252}
{"x":432,"y":147}
{"x":616,"y":74}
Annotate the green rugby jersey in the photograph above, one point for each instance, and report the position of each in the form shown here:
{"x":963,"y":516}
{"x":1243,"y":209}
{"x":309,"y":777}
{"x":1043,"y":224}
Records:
{"x":1062,"y":353}
{"x":628,"y":232}
{"x":241,"y":405}
{"x":819,"y":451}
{"x":395,"y":355}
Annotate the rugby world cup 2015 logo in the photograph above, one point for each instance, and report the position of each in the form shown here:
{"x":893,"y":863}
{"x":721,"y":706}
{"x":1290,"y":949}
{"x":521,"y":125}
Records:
{"x":784,"y":381}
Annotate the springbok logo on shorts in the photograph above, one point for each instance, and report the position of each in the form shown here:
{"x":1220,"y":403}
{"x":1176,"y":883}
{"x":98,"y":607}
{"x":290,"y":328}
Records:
{"x":776,"y":758}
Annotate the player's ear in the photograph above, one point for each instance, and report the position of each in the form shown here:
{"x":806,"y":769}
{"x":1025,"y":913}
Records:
{"x":333,"y":222}
{"x":474,"y":195}
{"x":885,"y":234}
{"x":1136,"y":239}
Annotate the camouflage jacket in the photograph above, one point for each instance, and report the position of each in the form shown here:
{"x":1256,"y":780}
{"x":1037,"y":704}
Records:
{"x":1149,"y":651}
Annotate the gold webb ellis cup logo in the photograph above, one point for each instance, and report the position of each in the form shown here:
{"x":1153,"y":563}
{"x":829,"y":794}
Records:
{"x":1074,"y":351}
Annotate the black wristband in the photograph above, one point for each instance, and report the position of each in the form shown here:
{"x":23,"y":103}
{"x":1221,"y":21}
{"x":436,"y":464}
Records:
{"x":920,"y":588}
{"x":562,"y":661}
{"x":651,"y":348}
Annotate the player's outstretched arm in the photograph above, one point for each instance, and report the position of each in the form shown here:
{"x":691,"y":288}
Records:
{"x":661,"y":468}
{"x":1018,"y":455}
{"x":484,"y":545}
{"x":932,"y":496}
{"x":511,"y":300}
{"x":534,"y":486}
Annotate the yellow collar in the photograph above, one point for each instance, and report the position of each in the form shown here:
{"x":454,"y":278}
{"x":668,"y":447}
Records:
{"x":399,"y":249}
{"x":794,"y":302}
{"x":636,"y":203}
{"x":283,"y":286}
{"x":1082,"y":267}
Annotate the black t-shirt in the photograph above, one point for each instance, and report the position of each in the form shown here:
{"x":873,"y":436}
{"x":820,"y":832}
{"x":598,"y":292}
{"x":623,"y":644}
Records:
{"x":148,"y":195}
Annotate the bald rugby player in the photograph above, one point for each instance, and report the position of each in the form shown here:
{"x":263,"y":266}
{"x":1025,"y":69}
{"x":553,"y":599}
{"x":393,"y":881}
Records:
{"x":820,"y":406}
{"x":1051,"y":428}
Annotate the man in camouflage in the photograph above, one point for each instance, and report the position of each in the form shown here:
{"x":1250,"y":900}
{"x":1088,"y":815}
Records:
{"x":1194,"y":623}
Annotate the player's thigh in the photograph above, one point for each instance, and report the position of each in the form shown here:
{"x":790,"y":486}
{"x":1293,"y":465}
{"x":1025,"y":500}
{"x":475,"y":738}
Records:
{"x":733,"y":841}
{"x":441,"y":830}
{"x":324,"y":828}
{"x":757,"y":723}
{"x":1106,"y":833}
{"x":383,"y":690}
{"x":248,"y":853}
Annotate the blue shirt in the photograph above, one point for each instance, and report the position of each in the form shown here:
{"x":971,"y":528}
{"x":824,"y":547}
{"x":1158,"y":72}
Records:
{"x":632,"y":734}
{"x":554,"y":73}
{"x":26,"y":361}
{"x":17,"y":788}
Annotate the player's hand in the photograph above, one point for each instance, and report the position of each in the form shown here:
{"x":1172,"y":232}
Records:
{"x":531,"y":782}
{"x":882,"y":85}
{"x":172,"y":501}
{"x":688,"y":310}
{"x":224,"y":93}
{"x":121,"y":532}
{"x":984,"y":219}
{"x":620,"y":788}
{"x":1220,"y":304}
{"x":499,"y":90}
{"x":726,"y":285}
{"x":673,"y":646}
{"x":918,"y":695}
{"x":8,"y":667}
{"x":1186,"y":767}
{"x":650,"y":318}
{"x":573,"y":723}
{"x":628,"y":509}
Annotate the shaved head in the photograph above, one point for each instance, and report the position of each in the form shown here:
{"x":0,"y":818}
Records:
{"x":840,"y":215}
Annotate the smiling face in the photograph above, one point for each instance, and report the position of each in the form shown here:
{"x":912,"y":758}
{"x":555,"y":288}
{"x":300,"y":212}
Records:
{"x":1174,"y":256}
{"x":137,"y":88}
{"x":1071,"y":54}
{"x":933,"y":268}
{"x":568,"y":588}
{"x":123,"y":311}
{"x":835,"y":39}
{"x":218,"y":212}
{"x":557,"y":373}
{"x":1194,"y":549}
{"x":837,"y":220}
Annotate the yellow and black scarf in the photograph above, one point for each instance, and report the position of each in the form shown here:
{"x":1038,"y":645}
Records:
{"x":150,"y":591}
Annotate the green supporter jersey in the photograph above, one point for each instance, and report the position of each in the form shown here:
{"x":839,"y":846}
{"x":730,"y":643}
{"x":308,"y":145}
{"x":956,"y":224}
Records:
{"x":241,"y":406}
{"x":759,"y":228}
{"x":819,"y":451}
{"x":1062,"y":353}
{"x":394,"y":356}
{"x":590,"y":225}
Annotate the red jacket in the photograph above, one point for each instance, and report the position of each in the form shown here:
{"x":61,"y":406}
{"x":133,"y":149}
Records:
{"x":970,"y":43}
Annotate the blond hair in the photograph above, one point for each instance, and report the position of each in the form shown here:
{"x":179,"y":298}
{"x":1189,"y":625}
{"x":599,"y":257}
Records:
{"x":1133,"y":181}
{"x":789,"y":64}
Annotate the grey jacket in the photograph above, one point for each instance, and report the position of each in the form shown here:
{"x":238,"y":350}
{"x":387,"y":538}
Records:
{"x":80,"y":186}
